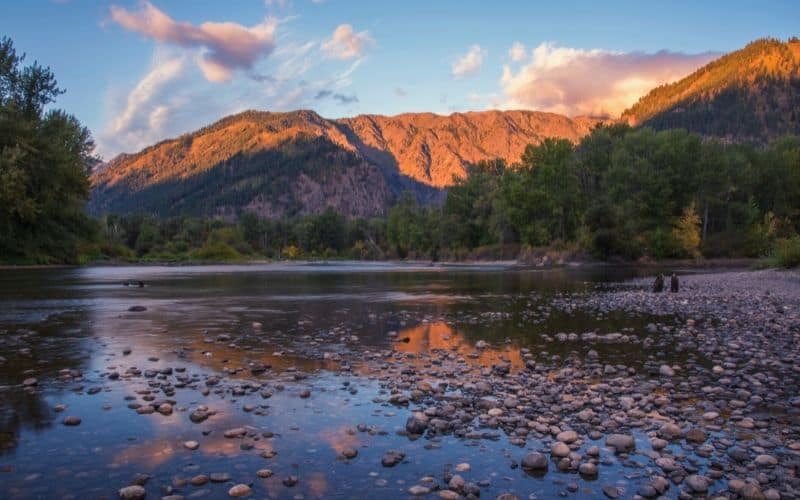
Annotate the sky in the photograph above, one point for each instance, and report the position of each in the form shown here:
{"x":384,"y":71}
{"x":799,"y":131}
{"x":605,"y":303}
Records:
{"x":136,"y":72}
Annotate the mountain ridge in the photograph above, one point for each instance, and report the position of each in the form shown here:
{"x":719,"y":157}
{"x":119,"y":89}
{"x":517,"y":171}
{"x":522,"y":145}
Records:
{"x":418,"y":152}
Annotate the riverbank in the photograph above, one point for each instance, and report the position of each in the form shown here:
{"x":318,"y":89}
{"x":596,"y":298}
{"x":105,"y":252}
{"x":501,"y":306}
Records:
{"x":605,"y":389}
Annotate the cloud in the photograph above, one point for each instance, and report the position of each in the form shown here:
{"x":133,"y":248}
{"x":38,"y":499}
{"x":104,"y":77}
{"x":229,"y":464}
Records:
{"x":517,"y":52}
{"x":345,"y":43}
{"x":226,"y":46}
{"x":469,"y":63}
{"x":340,"y":98}
{"x":146,"y":109}
{"x":591,"y":82}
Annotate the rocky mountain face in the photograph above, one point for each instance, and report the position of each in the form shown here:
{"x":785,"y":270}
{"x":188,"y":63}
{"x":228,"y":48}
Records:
{"x":750,"y":95}
{"x":278,"y":164}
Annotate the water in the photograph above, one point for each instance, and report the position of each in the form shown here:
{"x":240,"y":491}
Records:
{"x":298,"y":319}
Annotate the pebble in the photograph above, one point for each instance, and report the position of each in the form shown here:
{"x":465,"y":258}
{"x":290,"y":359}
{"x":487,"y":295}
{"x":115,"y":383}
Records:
{"x":240,"y":490}
{"x":134,"y":492}
{"x":191,"y":445}
{"x":71,"y":421}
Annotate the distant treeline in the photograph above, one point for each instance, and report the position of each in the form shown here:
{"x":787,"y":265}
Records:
{"x":621,"y":193}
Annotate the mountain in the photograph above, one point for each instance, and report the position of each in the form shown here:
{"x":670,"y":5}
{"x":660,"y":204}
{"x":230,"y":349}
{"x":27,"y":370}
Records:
{"x":278,"y":164}
{"x":750,"y":95}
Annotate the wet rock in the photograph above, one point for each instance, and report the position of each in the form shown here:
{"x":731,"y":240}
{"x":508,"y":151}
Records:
{"x":199,"y":480}
{"x":535,"y":461}
{"x":165,"y":409}
{"x":611,"y":491}
{"x":766,"y":461}
{"x":559,"y":450}
{"x":349,"y":453}
{"x":697,"y":483}
{"x":670,"y":431}
{"x":236,"y":432}
{"x":392,"y":458}
{"x":568,"y":437}
{"x":239,"y":490}
{"x":219,"y":477}
{"x":621,"y":442}
{"x":418,"y":490}
{"x":134,"y":492}
{"x":30,"y":382}
{"x":191,"y":445}
{"x":290,"y":481}
{"x":137,"y":309}
{"x":417,"y":423}
{"x":264,"y":473}
{"x":588,"y":469}
{"x":696,"y":435}
{"x":71,"y":421}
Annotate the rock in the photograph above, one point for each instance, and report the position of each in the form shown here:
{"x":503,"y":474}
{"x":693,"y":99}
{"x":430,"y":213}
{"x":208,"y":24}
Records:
{"x":559,"y":450}
{"x":535,"y":461}
{"x":134,"y":492}
{"x":137,"y":309}
{"x":199,"y":480}
{"x":611,"y":491}
{"x":264,"y":473}
{"x":621,"y":442}
{"x":349,"y":453}
{"x":71,"y":421}
{"x":219,"y":477}
{"x":418,"y":490}
{"x":191,"y":445}
{"x":568,"y":437}
{"x":666,"y":371}
{"x":30,"y":382}
{"x":198,"y":416}
{"x":588,"y":469}
{"x":290,"y":481}
{"x":463,"y":467}
{"x":670,"y":431}
{"x":697,"y":483}
{"x":392,"y":458}
{"x":165,"y":409}
{"x":417,"y":423}
{"x":766,"y":461}
{"x":696,"y":435}
{"x":235,"y":433}
{"x":751,"y":491}
{"x":239,"y":490}
{"x":305,"y":393}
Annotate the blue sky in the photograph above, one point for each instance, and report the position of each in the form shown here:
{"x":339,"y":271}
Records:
{"x":137,"y":72}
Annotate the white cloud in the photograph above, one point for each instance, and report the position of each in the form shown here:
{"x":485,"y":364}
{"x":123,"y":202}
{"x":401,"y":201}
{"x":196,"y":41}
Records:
{"x":345,"y":43}
{"x":469,"y":63}
{"x":591,"y":82}
{"x":517,"y":52}
{"x":225,"y":46}
{"x":142,"y":117}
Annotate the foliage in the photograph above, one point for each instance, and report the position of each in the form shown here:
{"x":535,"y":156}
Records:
{"x":787,"y":252}
{"x":45,"y":158}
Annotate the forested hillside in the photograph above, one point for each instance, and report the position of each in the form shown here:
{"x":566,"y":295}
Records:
{"x":752,"y":94}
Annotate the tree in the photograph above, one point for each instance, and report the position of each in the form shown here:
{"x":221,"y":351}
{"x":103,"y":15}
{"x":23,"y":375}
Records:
{"x":687,"y":231}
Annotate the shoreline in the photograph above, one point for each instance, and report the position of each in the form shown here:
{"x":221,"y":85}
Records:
{"x":725,"y":263}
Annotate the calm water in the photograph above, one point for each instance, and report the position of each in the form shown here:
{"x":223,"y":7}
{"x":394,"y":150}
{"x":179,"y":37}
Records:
{"x":219,"y":320}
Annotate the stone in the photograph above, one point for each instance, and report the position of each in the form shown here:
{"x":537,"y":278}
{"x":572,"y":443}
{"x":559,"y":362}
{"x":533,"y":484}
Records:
{"x":417,"y":423}
{"x":766,"y":461}
{"x":418,"y":490}
{"x":621,"y":442}
{"x":666,"y":371}
{"x":392,"y":458}
{"x":670,"y":431}
{"x":134,"y":492}
{"x":191,"y":445}
{"x":559,"y":450}
{"x":290,"y":481}
{"x":264,"y":473}
{"x":71,"y":421}
{"x":588,"y":469}
{"x":349,"y":452}
{"x":535,"y":461}
{"x":568,"y":437}
{"x":236,"y":432}
{"x":239,"y":490}
{"x":698,"y":483}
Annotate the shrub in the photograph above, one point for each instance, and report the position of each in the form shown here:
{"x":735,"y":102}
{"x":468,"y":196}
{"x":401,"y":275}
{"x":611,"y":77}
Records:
{"x":786,"y":252}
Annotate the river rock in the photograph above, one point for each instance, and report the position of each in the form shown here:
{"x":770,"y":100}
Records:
{"x":621,"y":442}
{"x":535,"y":461}
{"x":134,"y":492}
{"x":239,"y":490}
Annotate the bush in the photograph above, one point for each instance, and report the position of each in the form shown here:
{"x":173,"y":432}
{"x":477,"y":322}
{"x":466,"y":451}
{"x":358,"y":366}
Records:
{"x":786,"y":252}
{"x":216,"y":251}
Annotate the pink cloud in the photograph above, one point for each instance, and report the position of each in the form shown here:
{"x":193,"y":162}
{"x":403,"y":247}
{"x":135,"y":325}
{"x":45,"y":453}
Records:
{"x":227,"y":46}
{"x":591,"y":82}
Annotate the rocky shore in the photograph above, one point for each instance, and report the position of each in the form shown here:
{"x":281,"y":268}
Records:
{"x":719,"y":419}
